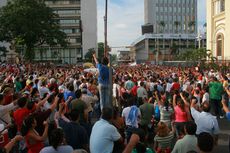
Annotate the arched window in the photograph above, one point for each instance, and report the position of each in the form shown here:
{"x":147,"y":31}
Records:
{"x":220,"y":45}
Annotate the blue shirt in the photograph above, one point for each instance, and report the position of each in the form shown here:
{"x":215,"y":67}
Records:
{"x":103,"y":77}
{"x":205,"y":122}
{"x":67,"y":94}
{"x":102,"y":137}
{"x":228,"y":115}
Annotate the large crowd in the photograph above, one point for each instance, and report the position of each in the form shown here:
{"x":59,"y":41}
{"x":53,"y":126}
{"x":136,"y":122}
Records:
{"x":153,"y":109}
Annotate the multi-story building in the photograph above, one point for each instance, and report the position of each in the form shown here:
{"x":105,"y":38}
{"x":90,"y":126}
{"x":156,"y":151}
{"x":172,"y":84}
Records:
{"x":174,"y":24}
{"x":218,"y":28}
{"x":78,"y":19}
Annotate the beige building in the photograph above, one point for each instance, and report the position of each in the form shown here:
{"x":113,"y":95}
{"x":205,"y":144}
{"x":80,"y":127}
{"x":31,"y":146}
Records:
{"x":218,"y":28}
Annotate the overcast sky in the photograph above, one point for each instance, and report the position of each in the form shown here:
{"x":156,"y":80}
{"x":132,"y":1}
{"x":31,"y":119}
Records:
{"x":125,"y":18}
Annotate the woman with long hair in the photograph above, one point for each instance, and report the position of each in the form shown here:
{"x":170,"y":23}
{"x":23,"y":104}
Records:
{"x":34,"y":141}
{"x":181,"y":115}
{"x":163,"y":139}
{"x":57,"y":143}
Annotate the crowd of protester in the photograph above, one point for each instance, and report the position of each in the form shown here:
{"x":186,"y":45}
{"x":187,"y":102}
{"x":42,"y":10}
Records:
{"x":154,"y":109}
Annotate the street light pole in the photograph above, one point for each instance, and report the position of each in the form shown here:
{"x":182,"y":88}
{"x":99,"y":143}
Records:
{"x":105,"y":29}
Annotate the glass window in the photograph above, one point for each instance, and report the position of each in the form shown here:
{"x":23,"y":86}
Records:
{"x":219,"y":6}
{"x":67,"y":12}
{"x":66,"y":21}
{"x":220,"y":45}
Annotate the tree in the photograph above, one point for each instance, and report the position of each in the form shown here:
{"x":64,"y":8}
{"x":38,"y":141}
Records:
{"x":113,"y":59}
{"x":89,"y":54}
{"x":30,"y":23}
{"x":192,"y":26}
{"x":177,"y":24}
{"x":162,"y":25}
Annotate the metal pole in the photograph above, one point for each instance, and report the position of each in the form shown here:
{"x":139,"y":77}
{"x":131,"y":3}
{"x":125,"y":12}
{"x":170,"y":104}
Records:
{"x":110,"y":80}
{"x":105,"y":29}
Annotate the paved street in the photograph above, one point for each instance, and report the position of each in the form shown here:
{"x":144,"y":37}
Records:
{"x":224,"y":137}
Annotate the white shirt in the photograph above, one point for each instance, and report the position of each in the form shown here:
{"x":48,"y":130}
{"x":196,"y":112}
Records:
{"x":42,"y":90}
{"x":125,"y":114}
{"x":4,"y":113}
{"x":205,"y":97}
{"x":60,"y":149}
{"x":205,"y":122}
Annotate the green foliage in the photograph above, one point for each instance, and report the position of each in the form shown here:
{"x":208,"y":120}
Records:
{"x":30,"y":23}
{"x":174,"y":49}
{"x":100,"y":46}
{"x":3,"y":51}
{"x":89,"y":54}
{"x":193,"y":55}
{"x":113,"y":59}
{"x":162,"y":25}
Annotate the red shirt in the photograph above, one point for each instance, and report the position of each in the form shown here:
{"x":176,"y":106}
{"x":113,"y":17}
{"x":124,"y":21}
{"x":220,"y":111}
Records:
{"x":180,"y":116}
{"x":134,"y":90}
{"x":36,"y":147}
{"x":19,"y":116}
{"x":175,"y":86}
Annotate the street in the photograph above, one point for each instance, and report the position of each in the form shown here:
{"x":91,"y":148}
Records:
{"x":223,"y":137}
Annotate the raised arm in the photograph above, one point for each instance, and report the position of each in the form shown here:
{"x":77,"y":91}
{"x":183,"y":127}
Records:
{"x":44,"y":135}
{"x":174,"y":100}
{"x":225,"y":107}
{"x":95,"y":58}
{"x":160,"y":103}
{"x":42,"y":102}
{"x":184,"y":100}
{"x":228,"y":92}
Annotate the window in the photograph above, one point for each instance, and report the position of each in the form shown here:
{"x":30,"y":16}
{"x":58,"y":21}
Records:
{"x":67,"y":12}
{"x":219,"y":6}
{"x":69,"y":21}
{"x":219,"y":45}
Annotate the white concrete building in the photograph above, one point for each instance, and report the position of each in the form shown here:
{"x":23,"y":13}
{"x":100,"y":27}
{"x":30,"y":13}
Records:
{"x":174,"y":23}
{"x":78,"y":19}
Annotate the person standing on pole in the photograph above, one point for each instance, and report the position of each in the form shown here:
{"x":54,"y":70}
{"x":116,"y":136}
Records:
{"x":103,"y":81}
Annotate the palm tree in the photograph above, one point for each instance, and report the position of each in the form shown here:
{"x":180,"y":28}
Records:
{"x":192,"y":26}
{"x":177,"y":24}
{"x":162,"y":25}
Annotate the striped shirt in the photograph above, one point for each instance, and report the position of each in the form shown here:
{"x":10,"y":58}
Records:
{"x":164,"y":142}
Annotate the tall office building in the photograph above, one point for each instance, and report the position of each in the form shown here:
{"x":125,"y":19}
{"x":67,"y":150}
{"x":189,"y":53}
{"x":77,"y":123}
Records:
{"x":218,"y":28}
{"x":168,"y":23}
{"x":78,"y":19}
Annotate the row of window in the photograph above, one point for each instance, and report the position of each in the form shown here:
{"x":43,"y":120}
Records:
{"x":175,"y":18}
{"x":74,"y":40}
{"x":175,"y":9}
{"x":71,"y":31}
{"x":69,"y":21}
{"x":175,"y":1}
{"x":57,"y":53}
{"x":68,"y":12}
{"x":63,"y":2}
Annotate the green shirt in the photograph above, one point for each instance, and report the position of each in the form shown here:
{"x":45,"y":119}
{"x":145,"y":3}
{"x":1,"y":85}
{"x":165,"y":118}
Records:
{"x":215,"y":90}
{"x":147,"y":111}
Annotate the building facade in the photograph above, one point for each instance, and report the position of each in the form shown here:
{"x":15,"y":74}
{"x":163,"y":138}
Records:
{"x":174,"y":24}
{"x":218,"y":28}
{"x":78,"y":19}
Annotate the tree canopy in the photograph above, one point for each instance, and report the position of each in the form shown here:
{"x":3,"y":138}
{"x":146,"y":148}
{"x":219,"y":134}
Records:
{"x":89,"y":54}
{"x":30,"y":23}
